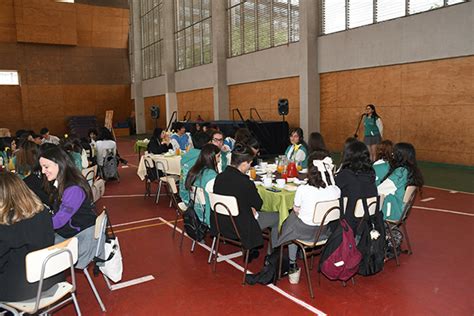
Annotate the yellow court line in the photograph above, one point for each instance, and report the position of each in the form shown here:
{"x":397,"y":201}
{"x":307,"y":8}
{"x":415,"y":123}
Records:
{"x":140,"y":227}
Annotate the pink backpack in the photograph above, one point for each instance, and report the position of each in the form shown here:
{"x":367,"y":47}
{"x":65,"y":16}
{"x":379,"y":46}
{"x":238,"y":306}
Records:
{"x":340,"y":257}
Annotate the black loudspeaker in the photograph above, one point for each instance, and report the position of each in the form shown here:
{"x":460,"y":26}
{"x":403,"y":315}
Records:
{"x":155,"y":112}
{"x":283,"y":106}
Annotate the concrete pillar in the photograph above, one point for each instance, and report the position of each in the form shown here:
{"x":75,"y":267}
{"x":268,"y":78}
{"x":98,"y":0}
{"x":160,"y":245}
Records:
{"x":219,"y":60}
{"x":309,"y":76}
{"x":137,"y":90}
{"x":168,"y":58}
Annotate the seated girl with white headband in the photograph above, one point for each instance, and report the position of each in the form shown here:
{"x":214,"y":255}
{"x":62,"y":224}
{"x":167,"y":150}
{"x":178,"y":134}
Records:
{"x":321,"y":187}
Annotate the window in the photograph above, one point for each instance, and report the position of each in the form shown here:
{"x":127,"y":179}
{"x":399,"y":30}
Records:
{"x":152,"y":37}
{"x":9,"y":77}
{"x":193,"y":36}
{"x":259,"y":24}
{"x":340,"y":15}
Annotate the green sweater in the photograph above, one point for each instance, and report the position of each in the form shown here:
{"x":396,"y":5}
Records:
{"x":381,"y":168}
{"x":301,"y":151}
{"x":187,"y":162}
{"x":203,"y":211}
{"x":394,"y":188}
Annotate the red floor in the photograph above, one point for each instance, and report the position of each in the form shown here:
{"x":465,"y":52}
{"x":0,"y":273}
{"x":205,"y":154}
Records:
{"x":435,"y":280}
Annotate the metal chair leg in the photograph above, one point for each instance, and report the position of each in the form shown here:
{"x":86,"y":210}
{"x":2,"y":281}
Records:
{"x":308,"y":277}
{"x":246,"y":264}
{"x":406,"y":237}
{"x":175,"y":224}
{"x":99,"y":300}
{"x":212,"y":250}
{"x":159,"y":192}
{"x":280,"y":262}
{"x":76,"y":304}
{"x":217,"y":253}
{"x":193,"y":245}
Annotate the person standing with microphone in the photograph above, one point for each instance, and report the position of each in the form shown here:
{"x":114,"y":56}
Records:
{"x":373,"y":129}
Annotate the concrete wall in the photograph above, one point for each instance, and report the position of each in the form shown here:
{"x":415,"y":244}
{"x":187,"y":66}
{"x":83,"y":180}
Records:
{"x":442,"y":33}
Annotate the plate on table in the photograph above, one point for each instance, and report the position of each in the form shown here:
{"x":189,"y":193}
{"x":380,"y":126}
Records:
{"x":290,"y":188}
{"x":258,"y":182}
{"x":260,"y":172}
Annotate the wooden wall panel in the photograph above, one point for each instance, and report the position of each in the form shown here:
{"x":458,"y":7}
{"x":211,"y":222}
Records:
{"x":429,"y":104}
{"x":7,"y":22}
{"x":46,"y":22}
{"x":159,"y":100}
{"x":198,"y":102}
{"x":264,"y":95}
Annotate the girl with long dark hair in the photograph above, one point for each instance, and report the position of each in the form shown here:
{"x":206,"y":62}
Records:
{"x":403,"y":172}
{"x":202,"y":176}
{"x":71,"y":198}
{"x":356,"y":178}
{"x":25,"y":158}
{"x":373,"y":129}
{"x":159,"y":142}
{"x":297,"y":150}
{"x":321,"y":187}
{"x":316,"y":143}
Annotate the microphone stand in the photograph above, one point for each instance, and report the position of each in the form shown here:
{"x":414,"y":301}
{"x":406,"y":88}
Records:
{"x":358,"y":126}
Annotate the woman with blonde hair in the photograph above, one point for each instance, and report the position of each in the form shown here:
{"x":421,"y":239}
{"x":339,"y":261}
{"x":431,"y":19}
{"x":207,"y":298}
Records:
{"x":25,"y":226}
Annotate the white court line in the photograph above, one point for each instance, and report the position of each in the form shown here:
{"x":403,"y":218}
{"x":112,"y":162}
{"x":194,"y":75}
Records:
{"x":449,"y":190}
{"x":136,"y":222}
{"x":136,"y":281}
{"x":428,"y":199}
{"x":443,"y":211}
{"x":273,"y":287}
{"x":122,"y":196}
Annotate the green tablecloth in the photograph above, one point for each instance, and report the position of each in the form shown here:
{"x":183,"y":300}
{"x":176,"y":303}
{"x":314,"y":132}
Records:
{"x":280,"y":202}
{"x":139,"y":145}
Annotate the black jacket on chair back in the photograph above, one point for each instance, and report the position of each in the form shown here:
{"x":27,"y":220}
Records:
{"x":233,"y":182}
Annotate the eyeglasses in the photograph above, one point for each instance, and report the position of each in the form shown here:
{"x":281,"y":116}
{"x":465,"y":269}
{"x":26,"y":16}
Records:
{"x":217,"y":140}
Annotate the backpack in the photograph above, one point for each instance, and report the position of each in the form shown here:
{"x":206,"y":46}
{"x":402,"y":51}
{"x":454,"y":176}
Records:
{"x":192,"y":224}
{"x":340,"y":257}
{"x":270,"y":269}
{"x":372,"y":241}
{"x":98,"y":189}
{"x":110,"y":166}
{"x":398,"y":239}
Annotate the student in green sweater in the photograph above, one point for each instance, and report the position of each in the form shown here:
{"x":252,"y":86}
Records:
{"x":297,"y":150}
{"x":383,"y":158}
{"x":189,"y":159}
{"x":403,"y":172}
{"x":202,"y":176}
{"x":373,"y":129}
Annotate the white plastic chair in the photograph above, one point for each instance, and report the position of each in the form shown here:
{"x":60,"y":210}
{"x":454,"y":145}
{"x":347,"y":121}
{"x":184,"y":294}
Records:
{"x":324,"y":213}
{"x":42,"y":264}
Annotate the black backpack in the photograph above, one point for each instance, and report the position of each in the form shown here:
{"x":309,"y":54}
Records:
{"x":193,"y":226}
{"x":270,"y":269}
{"x":372,"y":241}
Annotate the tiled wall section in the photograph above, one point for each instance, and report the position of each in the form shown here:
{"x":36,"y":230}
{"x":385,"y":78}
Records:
{"x":429,"y":104}
{"x":59,"y":81}
{"x":160,"y":101}
{"x":264,"y":95}
{"x":198,"y":102}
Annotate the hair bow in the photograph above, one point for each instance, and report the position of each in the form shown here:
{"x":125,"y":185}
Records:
{"x":325,"y":168}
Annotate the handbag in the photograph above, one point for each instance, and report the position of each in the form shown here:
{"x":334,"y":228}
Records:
{"x":193,"y":226}
{"x":112,"y":266}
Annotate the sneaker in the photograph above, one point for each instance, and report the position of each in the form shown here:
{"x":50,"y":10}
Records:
{"x":294,"y":274}
{"x":293,"y":268}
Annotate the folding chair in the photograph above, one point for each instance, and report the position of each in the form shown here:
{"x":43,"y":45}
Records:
{"x":408,"y":201}
{"x":99,"y":235}
{"x":151,"y":174}
{"x":42,"y":264}
{"x":227,"y":206}
{"x":162,"y":171}
{"x":324,"y":213}
{"x":372,"y":205}
{"x":180,"y":207}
